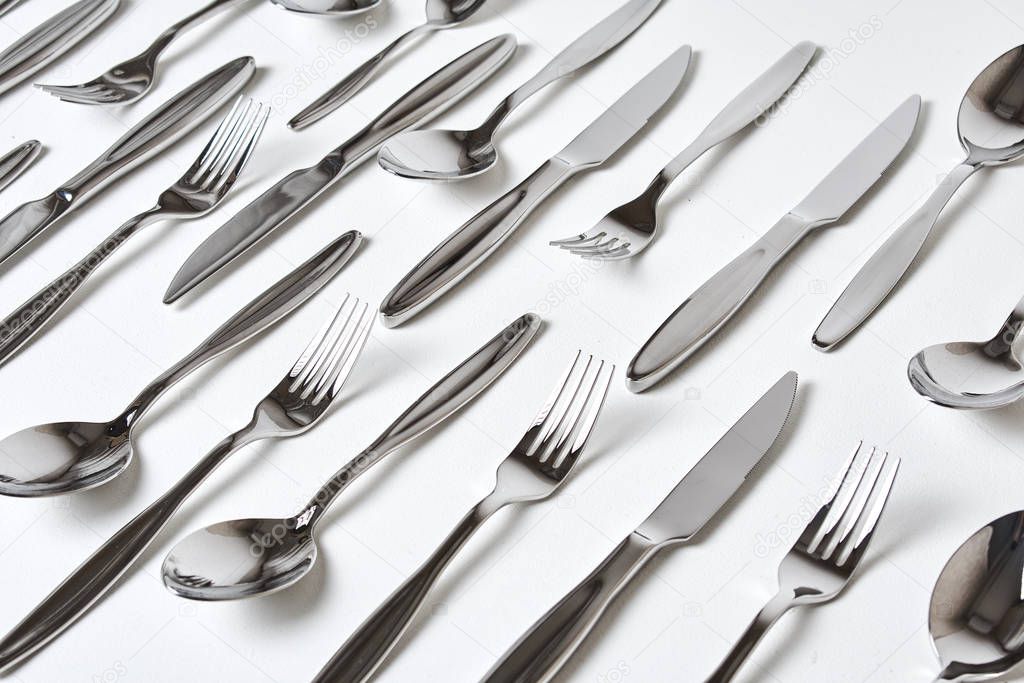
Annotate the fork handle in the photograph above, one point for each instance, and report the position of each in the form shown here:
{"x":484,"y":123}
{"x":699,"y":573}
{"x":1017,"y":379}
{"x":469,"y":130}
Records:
{"x":551,"y":641}
{"x":765,"y":619}
{"x":367,"y":648}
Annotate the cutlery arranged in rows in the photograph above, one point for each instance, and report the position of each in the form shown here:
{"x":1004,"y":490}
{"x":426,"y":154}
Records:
{"x":64,"y":457}
{"x":631,"y":228}
{"x":51,"y":39}
{"x":828,"y":552}
{"x":469,"y":246}
{"x":17,"y":161}
{"x":203,"y":187}
{"x":281,"y":202}
{"x":543,"y":651}
{"x":338,"y":8}
{"x":132,"y":79}
{"x":458,"y":154}
{"x":297,"y":404}
{"x":718,"y":300}
{"x":991,"y":131}
{"x":249,"y":557}
{"x":177,"y":117}
{"x":533,"y":471}
{"x":441,"y":14}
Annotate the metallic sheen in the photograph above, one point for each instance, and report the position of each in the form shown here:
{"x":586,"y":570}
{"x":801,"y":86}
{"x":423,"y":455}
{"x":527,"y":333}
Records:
{"x":17,"y":161}
{"x":340,"y":8}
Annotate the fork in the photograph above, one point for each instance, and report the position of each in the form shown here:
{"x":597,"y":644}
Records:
{"x":132,"y":79}
{"x":824,"y":558}
{"x":533,"y":471}
{"x":292,"y":408}
{"x":196,"y":194}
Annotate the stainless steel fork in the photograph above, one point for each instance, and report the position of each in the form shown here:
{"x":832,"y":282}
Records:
{"x":294,"y":407}
{"x":196,"y":194}
{"x":130,"y":80}
{"x":824,"y":558}
{"x":533,"y":471}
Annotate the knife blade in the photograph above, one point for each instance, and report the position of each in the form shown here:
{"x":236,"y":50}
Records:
{"x":539,"y":655}
{"x":718,"y":300}
{"x":17,"y":161}
{"x":172,"y":121}
{"x":280,"y":203}
{"x":469,"y":246}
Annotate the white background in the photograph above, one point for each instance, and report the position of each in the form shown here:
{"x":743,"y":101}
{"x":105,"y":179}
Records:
{"x":959,"y":470}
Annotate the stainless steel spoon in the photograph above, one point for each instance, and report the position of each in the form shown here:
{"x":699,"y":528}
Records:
{"x":974,"y":375}
{"x":975,"y":614}
{"x":329,"y":7}
{"x":991,"y":130}
{"x":457,"y":154}
{"x":441,"y":14}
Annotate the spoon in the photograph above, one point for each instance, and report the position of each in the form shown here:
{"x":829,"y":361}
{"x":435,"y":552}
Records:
{"x":455,"y":154}
{"x":332,"y":7}
{"x":991,"y":130}
{"x":248,"y":557}
{"x":973,"y":375}
{"x":441,"y":14}
{"x":975,"y":613}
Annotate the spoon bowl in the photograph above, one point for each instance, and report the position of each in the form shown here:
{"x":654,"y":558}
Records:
{"x":440,"y":154}
{"x":991,"y":118}
{"x":445,"y":13}
{"x":328,"y":7}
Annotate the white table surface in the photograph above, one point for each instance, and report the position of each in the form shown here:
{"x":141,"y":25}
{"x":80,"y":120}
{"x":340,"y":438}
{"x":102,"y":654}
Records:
{"x":959,"y":470}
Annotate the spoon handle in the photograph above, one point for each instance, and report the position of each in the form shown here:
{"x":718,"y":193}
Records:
{"x":758,"y":628}
{"x":173,"y":32}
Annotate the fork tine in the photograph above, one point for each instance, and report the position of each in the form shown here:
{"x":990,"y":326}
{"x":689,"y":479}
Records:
{"x":618,"y":254}
{"x":338,"y":323}
{"x":563,"y":459}
{"x":237,"y":123}
{"x":243,"y":154}
{"x":549,"y":449}
{"x":578,"y":240}
{"x":299,"y":370}
{"x":530,"y":439}
{"x":343,"y":364}
{"x":217,"y":141}
{"x":346,"y":332}
{"x":592,"y":248}
{"x":556,"y":417}
{"x":824,"y":520}
{"x":860,"y":536}
{"x":853,"y":511}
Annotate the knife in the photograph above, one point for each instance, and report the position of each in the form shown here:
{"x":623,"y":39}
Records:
{"x":708,"y":309}
{"x":17,"y":161}
{"x":172,"y":121}
{"x":469,"y":246}
{"x":285,"y":199}
{"x":51,"y":39}
{"x":551,"y":641}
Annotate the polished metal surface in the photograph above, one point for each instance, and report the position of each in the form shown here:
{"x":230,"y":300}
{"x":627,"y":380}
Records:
{"x":974,"y":375}
{"x":293,"y":407}
{"x":280,"y":203}
{"x":132,"y":79}
{"x":473,"y":243}
{"x":534,"y":471}
{"x":828,"y":552}
{"x":455,"y":154}
{"x":715,"y":303}
{"x":16,"y":162}
{"x":196,"y":194}
{"x":7,"y":5}
{"x":974,"y":616}
{"x":441,"y":14}
{"x":173,"y":120}
{"x":328,"y":7}
{"x":63,"y":457}
{"x":631,"y":228}
{"x":51,"y":39}
{"x":541,"y":653}
{"x":991,"y":130}
{"x":249,"y":557}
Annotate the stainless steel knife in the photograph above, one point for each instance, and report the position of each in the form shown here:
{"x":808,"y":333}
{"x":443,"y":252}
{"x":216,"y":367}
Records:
{"x":713,"y":481}
{"x":282,"y":201}
{"x":469,"y":246}
{"x":17,"y":161}
{"x":708,"y":309}
{"x":182,"y":114}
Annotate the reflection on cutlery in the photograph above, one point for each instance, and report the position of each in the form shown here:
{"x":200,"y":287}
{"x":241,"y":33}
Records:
{"x":441,"y":14}
{"x":64,"y":457}
{"x":132,"y":79}
{"x":991,"y":130}
{"x":708,"y":309}
{"x":534,"y":471}
{"x":199,"y":192}
{"x":250,"y":557}
{"x":179,"y":116}
{"x":292,"y":408}
{"x":824,"y":558}
{"x":338,"y":8}
{"x":17,"y":161}
{"x":7,"y":5}
{"x":630,"y":229}
{"x":51,"y":39}
{"x":469,"y":246}
{"x":450,"y":154}
{"x":285,"y":199}
{"x":544,"y":650}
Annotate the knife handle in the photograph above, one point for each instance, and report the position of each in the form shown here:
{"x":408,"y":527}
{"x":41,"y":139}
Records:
{"x":540,"y":653}
{"x":709,"y":308}
{"x":469,"y":246}
{"x":884,"y":270}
